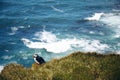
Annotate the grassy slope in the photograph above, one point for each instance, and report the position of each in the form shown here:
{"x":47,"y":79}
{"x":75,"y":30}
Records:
{"x":77,"y":66}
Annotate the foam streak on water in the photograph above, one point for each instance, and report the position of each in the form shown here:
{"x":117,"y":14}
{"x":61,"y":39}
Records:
{"x":56,"y":9}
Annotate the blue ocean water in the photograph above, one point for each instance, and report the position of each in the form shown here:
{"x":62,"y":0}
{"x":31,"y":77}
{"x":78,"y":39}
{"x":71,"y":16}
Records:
{"x":56,"y":28}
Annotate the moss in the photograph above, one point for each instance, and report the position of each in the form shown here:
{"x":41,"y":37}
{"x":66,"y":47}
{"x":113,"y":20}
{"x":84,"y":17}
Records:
{"x":77,"y":66}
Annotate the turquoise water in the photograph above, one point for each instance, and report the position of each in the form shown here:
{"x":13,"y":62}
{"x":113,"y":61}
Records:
{"x":56,"y":28}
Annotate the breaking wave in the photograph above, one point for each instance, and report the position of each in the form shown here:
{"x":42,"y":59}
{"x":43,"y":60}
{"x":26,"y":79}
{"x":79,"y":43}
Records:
{"x":95,"y":17}
{"x":110,"y":19}
{"x":113,"y":21}
{"x":51,"y":43}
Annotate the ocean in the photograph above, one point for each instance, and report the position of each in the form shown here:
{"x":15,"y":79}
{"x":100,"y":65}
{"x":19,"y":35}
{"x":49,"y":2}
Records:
{"x":56,"y":28}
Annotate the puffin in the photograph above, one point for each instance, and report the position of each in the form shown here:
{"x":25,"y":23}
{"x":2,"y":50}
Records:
{"x":38,"y":59}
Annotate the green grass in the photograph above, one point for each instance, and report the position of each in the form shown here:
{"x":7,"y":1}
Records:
{"x":77,"y":66}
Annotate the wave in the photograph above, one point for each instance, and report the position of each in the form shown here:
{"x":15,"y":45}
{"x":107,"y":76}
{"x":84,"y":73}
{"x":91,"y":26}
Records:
{"x":45,"y":36}
{"x":63,"y":45}
{"x":110,"y":19}
{"x":95,"y":17}
{"x":113,"y":21}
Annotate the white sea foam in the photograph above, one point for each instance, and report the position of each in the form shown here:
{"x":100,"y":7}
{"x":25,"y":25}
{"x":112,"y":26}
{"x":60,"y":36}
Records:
{"x":95,"y":17}
{"x":6,"y":50}
{"x":56,"y":9}
{"x":7,"y":57}
{"x":13,"y":30}
{"x":101,"y":33}
{"x":113,"y":21}
{"x":21,"y":26}
{"x":46,"y":36}
{"x":63,"y":45}
{"x":1,"y":68}
{"x":110,"y":19}
{"x":91,"y":32}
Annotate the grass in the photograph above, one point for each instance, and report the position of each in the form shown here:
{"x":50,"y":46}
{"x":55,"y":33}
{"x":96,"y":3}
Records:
{"x":77,"y":66}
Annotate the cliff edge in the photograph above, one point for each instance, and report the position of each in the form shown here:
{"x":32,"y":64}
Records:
{"x":77,"y":66}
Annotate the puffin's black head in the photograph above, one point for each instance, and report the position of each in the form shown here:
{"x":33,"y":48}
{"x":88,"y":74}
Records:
{"x":35,"y":55}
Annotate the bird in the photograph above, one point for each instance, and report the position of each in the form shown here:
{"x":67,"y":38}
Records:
{"x":38,"y":59}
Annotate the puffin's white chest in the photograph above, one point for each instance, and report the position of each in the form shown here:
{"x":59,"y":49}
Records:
{"x":35,"y":60}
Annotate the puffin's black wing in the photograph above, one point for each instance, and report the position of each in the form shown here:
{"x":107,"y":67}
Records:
{"x":40,"y":60}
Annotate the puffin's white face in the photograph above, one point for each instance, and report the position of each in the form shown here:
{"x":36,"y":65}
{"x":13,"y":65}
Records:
{"x":35,"y":55}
